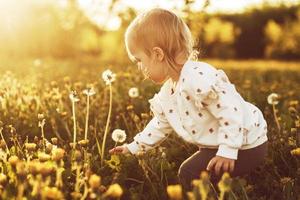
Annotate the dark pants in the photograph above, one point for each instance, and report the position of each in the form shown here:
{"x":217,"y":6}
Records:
{"x":247,"y":161}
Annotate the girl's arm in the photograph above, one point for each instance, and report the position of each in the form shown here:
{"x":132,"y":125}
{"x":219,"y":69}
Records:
{"x":155,"y":131}
{"x":153,"y":134}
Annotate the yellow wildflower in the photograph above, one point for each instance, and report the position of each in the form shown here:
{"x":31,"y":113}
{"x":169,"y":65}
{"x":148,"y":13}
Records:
{"x":174,"y":192}
{"x":114,"y":191}
{"x":295,"y":152}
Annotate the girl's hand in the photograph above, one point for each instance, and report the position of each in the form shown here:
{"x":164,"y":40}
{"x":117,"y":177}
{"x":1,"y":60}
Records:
{"x":119,"y":150}
{"x":219,"y":163}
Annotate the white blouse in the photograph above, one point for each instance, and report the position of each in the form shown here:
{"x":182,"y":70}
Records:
{"x":204,"y":109}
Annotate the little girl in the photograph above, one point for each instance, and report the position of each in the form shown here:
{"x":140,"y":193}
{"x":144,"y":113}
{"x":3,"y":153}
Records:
{"x":196,"y":101}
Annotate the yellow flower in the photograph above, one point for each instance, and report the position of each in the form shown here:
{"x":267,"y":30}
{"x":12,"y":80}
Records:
{"x":204,"y":175}
{"x":57,"y":154}
{"x":225,"y":183}
{"x":83,"y":143}
{"x":95,"y":181}
{"x":191,"y":196}
{"x":52,"y":193}
{"x":3,"y":179}
{"x":30,"y":146}
{"x":13,"y":160}
{"x":174,"y":192}
{"x":295,"y":152}
{"x":43,"y":157}
{"x":114,"y":191}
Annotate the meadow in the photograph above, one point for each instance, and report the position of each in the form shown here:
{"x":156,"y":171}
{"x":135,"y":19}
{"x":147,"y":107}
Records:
{"x":57,"y":119}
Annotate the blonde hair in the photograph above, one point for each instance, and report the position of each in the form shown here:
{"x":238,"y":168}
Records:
{"x":162,"y":28}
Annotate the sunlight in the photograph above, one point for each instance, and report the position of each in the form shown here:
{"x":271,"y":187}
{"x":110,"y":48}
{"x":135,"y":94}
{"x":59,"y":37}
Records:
{"x":98,"y":11}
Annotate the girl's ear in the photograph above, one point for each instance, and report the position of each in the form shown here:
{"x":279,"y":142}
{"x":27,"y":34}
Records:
{"x":158,"y":53}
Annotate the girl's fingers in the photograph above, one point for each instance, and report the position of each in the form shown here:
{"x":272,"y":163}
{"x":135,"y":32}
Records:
{"x":226,"y":167}
{"x":218,"y":167}
{"x":210,"y":164}
{"x":116,"y":150}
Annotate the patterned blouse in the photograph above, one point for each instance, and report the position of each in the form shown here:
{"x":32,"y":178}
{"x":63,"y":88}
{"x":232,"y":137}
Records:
{"x":204,"y":109}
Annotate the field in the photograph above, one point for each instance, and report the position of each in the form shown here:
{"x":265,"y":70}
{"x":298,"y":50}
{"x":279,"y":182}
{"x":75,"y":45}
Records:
{"x":40,"y":117}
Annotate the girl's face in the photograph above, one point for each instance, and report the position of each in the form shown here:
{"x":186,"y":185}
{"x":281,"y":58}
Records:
{"x":152,"y":66}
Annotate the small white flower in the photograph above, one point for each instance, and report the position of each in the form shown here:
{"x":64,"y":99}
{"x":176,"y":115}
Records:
{"x":89,"y":91}
{"x":133,"y":92}
{"x":118,"y":135}
{"x":73,"y":96}
{"x":108,"y":76}
{"x":273,"y":99}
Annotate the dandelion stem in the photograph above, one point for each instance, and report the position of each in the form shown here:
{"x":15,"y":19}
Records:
{"x":7,"y":150}
{"x":74,"y":123}
{"x":87,"y":116}
{"x":275,"y":117}
{"x":107,"y":124}
{"x":43,"y":136}
{"x":77,"y":188}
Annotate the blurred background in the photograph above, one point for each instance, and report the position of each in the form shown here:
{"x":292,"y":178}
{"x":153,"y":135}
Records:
{"x":223,"y":29}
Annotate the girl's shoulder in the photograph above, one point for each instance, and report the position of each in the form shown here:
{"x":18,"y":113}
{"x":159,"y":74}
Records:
{"x":198,"y":72}
{"x":194,"y":68}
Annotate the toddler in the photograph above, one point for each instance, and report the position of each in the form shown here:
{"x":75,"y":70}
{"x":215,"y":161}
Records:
{"x":196,"y":101}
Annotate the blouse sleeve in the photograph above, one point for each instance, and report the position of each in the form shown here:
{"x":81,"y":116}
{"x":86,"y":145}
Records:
{"x":155,"y":131}
{"x":224,"y":103}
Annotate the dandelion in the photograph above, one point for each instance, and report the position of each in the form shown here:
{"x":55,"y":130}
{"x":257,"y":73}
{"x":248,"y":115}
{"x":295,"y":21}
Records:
{"x":174,"y":192}
{"x":74,"y":98}
{"x":43,"y":157}
{"x":52,"y":193}
{"x":95,"y":181}
{"x":13,"y":160}
{"x":114,"y":191}
{"x":295,"y":152}
{"x":133,"y":92}
{"x":54,"y":140}
{"x":118,"y":135}
{"x":108,"y":76}
{"x":30,"y":146}
{"x":58,"y":154}
{"x":88,"y":92}
{"x":224,"y":185}
{"x":3,"y":179}
{"x":273,"y":100}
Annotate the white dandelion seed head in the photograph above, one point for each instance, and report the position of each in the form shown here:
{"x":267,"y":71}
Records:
{"x":133,"y":92}
{"x":41,"y":116}
{"x":89,"y":91}
{"x":73,"y":96}
{"x":108,"y":76}
{"x":273,"y":99}
{"x":118,"y":135}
